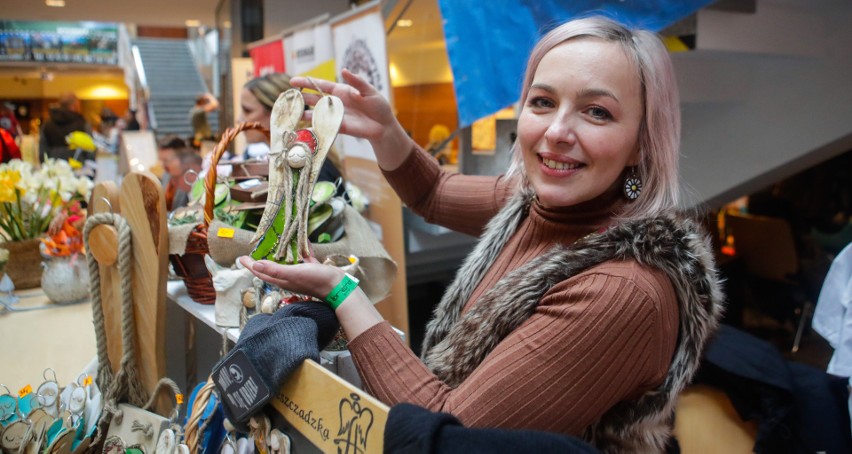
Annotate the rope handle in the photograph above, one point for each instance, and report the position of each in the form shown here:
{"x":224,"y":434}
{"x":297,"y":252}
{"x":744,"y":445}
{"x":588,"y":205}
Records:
{"x":126,"y":384}
{"x":210,"y":180}
{"x":165,"y":384}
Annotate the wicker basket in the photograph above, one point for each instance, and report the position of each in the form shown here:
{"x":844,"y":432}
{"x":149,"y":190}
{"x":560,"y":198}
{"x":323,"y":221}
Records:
{"x":24,"y":266}
{"x":190,"y":266}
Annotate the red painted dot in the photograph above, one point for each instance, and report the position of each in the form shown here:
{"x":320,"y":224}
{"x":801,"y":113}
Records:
{"x":307,"y":137}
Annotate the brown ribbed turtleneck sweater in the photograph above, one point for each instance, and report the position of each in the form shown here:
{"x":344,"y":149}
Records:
{"x":600,"y":337}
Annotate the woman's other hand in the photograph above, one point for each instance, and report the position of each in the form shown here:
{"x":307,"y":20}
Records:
{"x":368,"y":116}
{"x":356,"y":313}
{"x":310,"y":278}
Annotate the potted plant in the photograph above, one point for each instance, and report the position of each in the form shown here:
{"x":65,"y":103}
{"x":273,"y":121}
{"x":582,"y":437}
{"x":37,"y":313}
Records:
{"x":30,"y":197}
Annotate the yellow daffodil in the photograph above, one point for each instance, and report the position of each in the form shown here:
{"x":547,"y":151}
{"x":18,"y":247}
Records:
{"x":30,"y":197}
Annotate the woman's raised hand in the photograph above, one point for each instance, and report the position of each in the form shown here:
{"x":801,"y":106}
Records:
{"x":368,"y":115}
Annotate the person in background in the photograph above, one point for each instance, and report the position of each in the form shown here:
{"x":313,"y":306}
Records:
{"x":167,"y":156}
{"x":439,"y":141}
{"x":180,"y":184}
{"x":9,"y":149}
{"x":9,"y":121}
{"x":584,"y":308}
{"x":204,"y":104}
{"x":256,"y":100}
{"x":108,"y":132}
{"x":130,"y":121}
{"x":64,"y":119}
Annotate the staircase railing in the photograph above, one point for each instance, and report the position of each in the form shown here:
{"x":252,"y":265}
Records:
{"x":143,"y":82}
{"x":203,"y":50}
{"x":125,"y":61}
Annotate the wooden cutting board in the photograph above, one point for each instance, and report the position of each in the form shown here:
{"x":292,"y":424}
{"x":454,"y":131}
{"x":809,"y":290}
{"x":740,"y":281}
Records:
{"x":143,"y":205}
{"x":103,"y":242}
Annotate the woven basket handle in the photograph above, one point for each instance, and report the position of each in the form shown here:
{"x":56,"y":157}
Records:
{"x":210,"y":180}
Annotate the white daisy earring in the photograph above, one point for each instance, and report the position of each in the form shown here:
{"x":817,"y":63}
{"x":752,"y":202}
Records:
{"x":632,"y":185}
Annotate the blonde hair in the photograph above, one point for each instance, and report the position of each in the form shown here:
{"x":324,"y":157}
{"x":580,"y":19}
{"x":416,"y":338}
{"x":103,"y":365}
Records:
{"x":266,"y":89}
{"x":659,"y":132}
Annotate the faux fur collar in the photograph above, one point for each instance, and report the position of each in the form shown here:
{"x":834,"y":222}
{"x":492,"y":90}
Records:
{"x":455,"y":345}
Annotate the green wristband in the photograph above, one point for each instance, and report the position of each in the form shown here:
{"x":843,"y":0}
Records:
{"x":343,"y":289}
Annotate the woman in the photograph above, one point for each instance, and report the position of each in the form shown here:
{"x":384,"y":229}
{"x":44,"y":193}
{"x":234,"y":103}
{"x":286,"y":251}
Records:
{"x":586,"y":303}
{"x":256,"y":100}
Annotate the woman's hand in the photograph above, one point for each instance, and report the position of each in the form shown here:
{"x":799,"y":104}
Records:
{"x":310,"y":278}
{"x":368,"y":116}
{"x":356,"y":313}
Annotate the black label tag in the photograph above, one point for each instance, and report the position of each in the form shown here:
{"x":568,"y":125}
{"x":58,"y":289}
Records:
{"x":240,"y":386}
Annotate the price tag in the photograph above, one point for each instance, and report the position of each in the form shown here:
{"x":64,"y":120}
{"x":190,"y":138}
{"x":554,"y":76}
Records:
{"x":225,"y":232}
{"x":87,"y":381}
{"x":179,"y":399}
{"x":25,"y":390}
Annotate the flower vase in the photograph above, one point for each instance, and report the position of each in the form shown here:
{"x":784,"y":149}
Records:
{"x":24,"y":266}
{"x":66,"y":278}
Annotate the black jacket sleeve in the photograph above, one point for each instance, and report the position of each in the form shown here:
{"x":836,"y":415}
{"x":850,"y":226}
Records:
{"x":412,"y":429}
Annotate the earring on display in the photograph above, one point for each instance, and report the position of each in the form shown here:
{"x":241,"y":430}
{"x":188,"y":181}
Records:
{"x":632,"y":185}
{"x":77,"y":400}
{"x":8,"y":407}
{"x":15,"y":436}
{"x":48,"y":394}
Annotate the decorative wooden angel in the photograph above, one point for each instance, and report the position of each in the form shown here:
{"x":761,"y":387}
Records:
{"x":295,"y":160}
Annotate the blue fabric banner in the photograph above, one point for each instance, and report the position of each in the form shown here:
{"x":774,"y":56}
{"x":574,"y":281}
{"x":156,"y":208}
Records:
{"x":488,"y":42}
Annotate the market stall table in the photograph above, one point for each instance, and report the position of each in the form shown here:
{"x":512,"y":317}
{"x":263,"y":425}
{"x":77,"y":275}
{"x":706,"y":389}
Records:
{"x":37,"y":334}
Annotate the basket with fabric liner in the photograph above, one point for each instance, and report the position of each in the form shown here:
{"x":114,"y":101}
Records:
{"x":189,"y":244}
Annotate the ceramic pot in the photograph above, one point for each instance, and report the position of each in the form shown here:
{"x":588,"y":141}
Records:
{"x":65,"y":279}
{"x":24,"y":263}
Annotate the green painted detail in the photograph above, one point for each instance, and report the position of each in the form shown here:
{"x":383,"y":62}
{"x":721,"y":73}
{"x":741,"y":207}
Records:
{"x":197,"y":190}
{"x":221,"y":193}
{"x":323,"y":191}
{"x":265,"y":249}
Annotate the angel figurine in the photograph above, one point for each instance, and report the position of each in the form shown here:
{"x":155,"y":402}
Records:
{"x":295,"y":160}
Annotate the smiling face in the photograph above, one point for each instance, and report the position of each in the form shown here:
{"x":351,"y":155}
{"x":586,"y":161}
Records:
{"x":579,"y":125}
{"x":252,"y":110}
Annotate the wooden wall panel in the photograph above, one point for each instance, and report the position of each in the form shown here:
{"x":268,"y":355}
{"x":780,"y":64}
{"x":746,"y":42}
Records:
{"x":419,"y":107}
{"x":145,"y":31}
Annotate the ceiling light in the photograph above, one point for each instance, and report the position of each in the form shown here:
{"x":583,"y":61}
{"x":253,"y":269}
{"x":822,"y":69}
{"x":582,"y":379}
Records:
{"x":55,"y":3}
{"x":404,"y":23}
{"x":192,"y":23}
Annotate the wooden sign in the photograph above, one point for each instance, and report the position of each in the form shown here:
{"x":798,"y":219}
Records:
{"x":331,"y":413}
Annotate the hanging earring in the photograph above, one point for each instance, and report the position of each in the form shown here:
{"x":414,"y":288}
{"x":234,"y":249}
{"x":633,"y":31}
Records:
{"x":8,"y":407}
{"x":48,"y":394}
{"x":77,"y":400}
{"x":632,"y":185}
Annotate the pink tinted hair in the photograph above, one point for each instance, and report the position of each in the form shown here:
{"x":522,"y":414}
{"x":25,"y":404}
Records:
{"x":659,"y":133}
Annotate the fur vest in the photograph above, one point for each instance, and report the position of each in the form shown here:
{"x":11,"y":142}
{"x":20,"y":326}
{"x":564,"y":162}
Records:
{"x":455,"y":345}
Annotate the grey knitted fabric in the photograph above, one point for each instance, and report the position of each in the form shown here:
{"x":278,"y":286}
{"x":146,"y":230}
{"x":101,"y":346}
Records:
{"x":321,"y":313}
{"x":274,"y":345}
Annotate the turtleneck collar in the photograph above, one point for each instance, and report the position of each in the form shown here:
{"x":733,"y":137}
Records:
{"x":572,"y":222}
